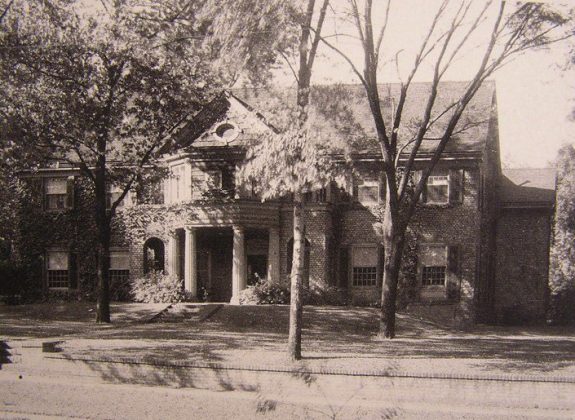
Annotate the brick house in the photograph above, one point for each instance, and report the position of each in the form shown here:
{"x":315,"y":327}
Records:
{"x":479,"y":236}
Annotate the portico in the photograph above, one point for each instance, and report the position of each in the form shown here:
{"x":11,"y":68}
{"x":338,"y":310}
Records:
{"x":219,"y":261}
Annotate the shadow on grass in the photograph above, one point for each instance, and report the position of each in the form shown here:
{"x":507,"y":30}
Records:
{"x":258,"y":334}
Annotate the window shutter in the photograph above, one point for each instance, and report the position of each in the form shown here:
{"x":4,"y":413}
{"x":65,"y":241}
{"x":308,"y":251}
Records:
{"x":380,"y":264}
{"x":70,"y":193}
{"x":416,"y":178}
{"x":382,"y":187}
{"x":455,"y":186}
{"x":72,"y":270}
{"x":39,"y":187}
{"x":452,"y":268}
{"x":355,"y":184}
{"x":343,"y":267}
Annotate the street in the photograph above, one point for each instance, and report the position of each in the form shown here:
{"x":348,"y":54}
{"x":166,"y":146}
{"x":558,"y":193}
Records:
{"x":48,"y":396}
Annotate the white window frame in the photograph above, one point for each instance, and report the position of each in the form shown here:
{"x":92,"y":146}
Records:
{"x":113,"y":194}
{"x":369,"y":184}
{"x":50,"y":270}
{"x":438,"y":180}
{"x":62,"y":195}
{"x":119,"y":271}
{"x":372,"y":281}
{"x":427,"y":247}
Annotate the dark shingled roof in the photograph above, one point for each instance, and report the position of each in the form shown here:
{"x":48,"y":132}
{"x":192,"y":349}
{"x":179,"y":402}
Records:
{"x":350,"y":101}
{"x":527,"y":187}
{"x":343,"y":109}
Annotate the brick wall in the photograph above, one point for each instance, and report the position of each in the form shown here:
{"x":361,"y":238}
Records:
{"x":522,"y":265}
{"x":450,"y":225}
{"x":319,"y":233}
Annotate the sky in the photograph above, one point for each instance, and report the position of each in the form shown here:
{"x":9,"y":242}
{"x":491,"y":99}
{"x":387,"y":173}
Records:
{"x":535,"y":92}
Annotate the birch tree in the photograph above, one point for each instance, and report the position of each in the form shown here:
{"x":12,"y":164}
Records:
{"x":100,"y":86}
{"x":453,"y":31}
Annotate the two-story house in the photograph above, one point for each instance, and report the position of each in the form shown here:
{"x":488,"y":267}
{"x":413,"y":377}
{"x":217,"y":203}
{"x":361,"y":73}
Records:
{"x":217,"y":236}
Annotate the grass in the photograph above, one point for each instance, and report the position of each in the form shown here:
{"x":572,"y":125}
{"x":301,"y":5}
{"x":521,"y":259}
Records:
{"x":335,"y":338}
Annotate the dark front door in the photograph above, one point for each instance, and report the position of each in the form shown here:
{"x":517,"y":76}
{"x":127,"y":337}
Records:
{"x":257,"y":268}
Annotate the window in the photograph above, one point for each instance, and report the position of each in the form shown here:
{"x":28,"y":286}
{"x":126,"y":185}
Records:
{"x":203,"y":181}
{"x":179,"y":190}
{"x":368,"y":192}
{"x":433,"y":276}
{"x":438,"y":189}
{"x":119,"y":266}
{"x":56,"y":192}
{"x":364,"y":266}
{"x":57,"y":269}
{"x":433,"y":265}
{"x":112,"y":195}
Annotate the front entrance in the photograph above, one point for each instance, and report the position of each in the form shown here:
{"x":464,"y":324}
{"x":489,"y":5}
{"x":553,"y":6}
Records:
{"x":257,"y":268}
{"x":214,"y":264}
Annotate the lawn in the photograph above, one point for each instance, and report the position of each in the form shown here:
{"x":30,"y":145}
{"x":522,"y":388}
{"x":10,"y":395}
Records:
{"x":341,"y":339}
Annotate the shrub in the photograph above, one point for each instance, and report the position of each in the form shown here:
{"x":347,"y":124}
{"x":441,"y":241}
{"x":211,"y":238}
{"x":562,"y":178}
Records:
{"x":324,"y":295}
{"x":13,"y":279}
{"x":157,"y":287}
{"x":264,"y":292}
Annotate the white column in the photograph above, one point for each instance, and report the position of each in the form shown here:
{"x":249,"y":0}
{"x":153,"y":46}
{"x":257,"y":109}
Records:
{"x":274,"y":255}
{"x":173,"y":254}
{"x":239,"y":268}
{"x":190,"y":262}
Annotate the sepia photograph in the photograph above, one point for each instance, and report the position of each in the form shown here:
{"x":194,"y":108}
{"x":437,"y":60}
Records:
{"x":287,"y":209}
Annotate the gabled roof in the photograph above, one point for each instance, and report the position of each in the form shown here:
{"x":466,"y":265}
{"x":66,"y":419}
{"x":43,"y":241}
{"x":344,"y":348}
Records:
{"x":200,"y":130}
{"x":344,"y":107}
{"x":527,"y":187}
{"x":349,"y":103}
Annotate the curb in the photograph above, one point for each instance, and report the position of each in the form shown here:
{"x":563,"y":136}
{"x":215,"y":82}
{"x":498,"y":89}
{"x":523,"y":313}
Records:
{"x":322,"y":371}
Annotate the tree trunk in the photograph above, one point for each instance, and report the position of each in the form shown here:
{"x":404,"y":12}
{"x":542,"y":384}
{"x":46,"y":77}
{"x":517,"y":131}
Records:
{"x":296,"y":304}
{"x":103,"y":302}
{"x":103,"y":225}
{"x":393,"y":241}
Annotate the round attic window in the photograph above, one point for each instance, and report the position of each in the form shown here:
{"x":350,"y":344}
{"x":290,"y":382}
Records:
{"x":227,"y":132}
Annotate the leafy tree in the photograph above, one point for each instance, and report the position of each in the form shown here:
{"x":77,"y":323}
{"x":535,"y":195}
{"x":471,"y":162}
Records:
{"x":100,"y":86}
{"x":562,"y":267}
{"x":257,"y":34}
{"x":453,"y":29}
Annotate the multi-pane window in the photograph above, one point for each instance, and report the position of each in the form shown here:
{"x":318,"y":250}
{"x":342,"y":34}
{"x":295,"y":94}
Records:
{"x":364,"y":266}
{"x":433,"y":265}
{"x":57,"y":269}
{"x":438,"y":189}
{"x":56,"y":191}
{"x":119,"y":266}
{"x":433,"y":276}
